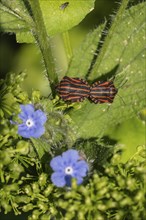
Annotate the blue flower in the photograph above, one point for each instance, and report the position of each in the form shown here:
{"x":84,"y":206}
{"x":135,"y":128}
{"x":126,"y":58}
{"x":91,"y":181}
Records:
{"x":68,"y":166}
{"x":32,"y":122}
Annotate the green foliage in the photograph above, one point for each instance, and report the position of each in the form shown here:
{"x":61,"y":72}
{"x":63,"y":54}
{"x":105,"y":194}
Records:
{"x":16,"y":19}
{"x":59,"y":133}
{"x":130,"y":134}
{"x":119,"y":194}
{"x":81,"y":61}
{"x":113,"y":190}
{"x":11,"y":94}
{"x":116,"y":193}
{"x":22,"y":161}
{"x":124,"y":60}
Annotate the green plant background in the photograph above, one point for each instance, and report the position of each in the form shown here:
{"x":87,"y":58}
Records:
{"x":123,"y":121}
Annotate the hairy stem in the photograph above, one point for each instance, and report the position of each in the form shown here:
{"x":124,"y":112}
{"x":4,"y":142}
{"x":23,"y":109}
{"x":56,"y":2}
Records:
{"x":44,"y":42}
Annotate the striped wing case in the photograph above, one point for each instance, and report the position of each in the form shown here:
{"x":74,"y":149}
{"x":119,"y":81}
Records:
{"x":73,"y":89}
{"x":103,"y":92}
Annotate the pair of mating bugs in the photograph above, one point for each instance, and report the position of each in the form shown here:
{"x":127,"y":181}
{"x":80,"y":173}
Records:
{"x":76,"y":90}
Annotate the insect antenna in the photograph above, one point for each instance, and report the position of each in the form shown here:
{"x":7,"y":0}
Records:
{"x":122,"y":99}
{"x":122,"y":84}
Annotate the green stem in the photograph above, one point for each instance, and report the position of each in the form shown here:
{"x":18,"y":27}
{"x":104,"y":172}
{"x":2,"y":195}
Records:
{"x":44,"y":42}
{"x":59,"y":52}
{"x":67,"y":45}
{"x":103,"y":50}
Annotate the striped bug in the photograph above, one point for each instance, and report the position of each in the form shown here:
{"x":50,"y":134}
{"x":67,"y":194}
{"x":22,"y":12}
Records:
{"x":102,"y":92}
{"x":73,"y":89}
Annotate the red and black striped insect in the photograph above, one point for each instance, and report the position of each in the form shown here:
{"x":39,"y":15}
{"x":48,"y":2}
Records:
{"x":73,"y":89}
{"x":103,"y":92}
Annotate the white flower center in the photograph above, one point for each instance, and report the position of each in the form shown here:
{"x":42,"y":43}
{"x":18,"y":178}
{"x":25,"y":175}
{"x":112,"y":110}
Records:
{"x":68,"y":170}
{"x":29,"y":123}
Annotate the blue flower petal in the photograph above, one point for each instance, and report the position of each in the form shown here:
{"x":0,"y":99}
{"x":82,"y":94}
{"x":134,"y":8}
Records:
{"x":79,"y":180}
{"x":37,"y":132}
{"x":81,"y":168}
{"x":23,"y":131}
{"x":38,"y":119}
{"x":68,"y":161}
{"x":23,"y":116}
{"x":68,"y":179}
{"x":57,"y":164}
{"x":70,"y":157}
{"x":27,"y":109}
{"x":26,"y":112}
{"x":39,"y":114}
{"x":58,"y":179}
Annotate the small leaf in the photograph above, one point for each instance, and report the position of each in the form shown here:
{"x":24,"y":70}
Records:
{"x":41,"y":147}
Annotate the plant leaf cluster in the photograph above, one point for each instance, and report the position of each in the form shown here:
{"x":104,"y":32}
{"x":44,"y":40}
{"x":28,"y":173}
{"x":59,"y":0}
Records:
{"x":114,"y":50}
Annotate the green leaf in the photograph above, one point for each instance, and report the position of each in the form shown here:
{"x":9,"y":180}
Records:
{"x":58,"y":20}
{"x":40,"y":146}
{"x":15,"y":19}
{"x":129,"y":135}
{"x":83,"y":56}
{"x":124,"y":59}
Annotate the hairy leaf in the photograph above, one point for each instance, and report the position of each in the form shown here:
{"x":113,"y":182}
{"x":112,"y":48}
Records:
{"x":57,"y":17}
{"x":40,"y":147}
{"x":83,"y":56}
{"x":124,"y":60}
